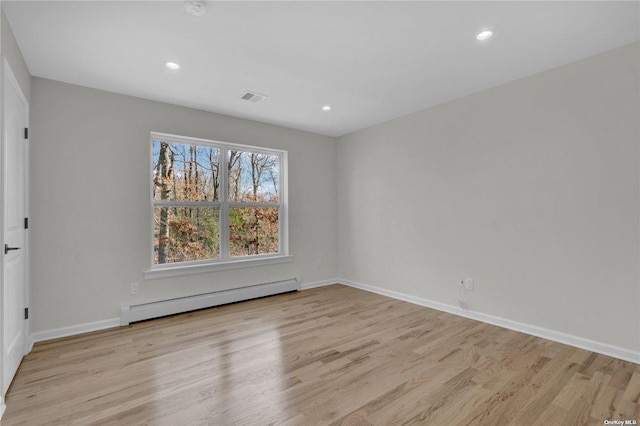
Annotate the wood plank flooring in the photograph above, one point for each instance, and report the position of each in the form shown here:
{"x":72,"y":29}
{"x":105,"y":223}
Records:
{"x":331,"y":355}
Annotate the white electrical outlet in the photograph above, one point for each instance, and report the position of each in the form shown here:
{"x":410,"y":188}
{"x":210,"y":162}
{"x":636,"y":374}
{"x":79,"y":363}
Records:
{"x":468,"y":284}
{"x":135,"y":288}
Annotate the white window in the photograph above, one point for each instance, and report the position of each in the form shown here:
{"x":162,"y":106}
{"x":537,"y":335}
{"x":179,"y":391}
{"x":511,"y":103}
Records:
{"x":215,"y":205}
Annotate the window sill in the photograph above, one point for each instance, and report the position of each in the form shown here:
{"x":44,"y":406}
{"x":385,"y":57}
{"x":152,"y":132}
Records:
{"x":176,"y":271}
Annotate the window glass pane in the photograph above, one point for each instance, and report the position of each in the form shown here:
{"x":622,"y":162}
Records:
{"x":182,"y":234}
{"x":183,"y":172}
{"x":253,"y":177}
{"x":253,"y":230}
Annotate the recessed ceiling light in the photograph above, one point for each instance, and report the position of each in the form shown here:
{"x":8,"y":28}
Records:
{"x":172,"y":66}
{"x":326,"y":108}
{"x":484,"y":35}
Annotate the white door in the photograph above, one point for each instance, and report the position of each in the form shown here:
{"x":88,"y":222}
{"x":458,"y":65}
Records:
{"x":13,"y":249}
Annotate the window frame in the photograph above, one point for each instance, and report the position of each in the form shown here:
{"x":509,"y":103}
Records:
{"x":225,"y":261}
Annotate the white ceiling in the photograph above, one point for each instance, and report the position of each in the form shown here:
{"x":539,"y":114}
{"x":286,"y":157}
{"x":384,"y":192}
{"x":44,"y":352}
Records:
{"x":371,"y":61}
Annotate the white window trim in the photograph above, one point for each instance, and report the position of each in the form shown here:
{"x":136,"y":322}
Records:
{"x":201,"y":268}
{"x":225,"y":262}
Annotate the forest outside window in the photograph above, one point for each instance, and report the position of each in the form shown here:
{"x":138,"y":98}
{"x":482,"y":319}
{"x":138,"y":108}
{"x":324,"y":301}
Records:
{"x":216,"y":203}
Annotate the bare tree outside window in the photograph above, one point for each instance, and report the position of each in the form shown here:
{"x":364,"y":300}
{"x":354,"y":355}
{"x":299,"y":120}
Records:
{"x":253,"y":229}
{"x":188,"y":201}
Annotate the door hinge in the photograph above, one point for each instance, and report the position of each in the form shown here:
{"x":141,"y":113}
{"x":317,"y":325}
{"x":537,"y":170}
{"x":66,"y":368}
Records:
{"x":26,"y":133}
{"x":26,"y":223}
{"x":26,"y":313}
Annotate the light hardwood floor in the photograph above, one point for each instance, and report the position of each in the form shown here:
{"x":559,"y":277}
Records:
{"x":331,"y":355}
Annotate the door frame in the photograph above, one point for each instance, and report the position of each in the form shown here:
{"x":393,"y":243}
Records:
{"x":8,"y":77}
{"x":2,"y":404}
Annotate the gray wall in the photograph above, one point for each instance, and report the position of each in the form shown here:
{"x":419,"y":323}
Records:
{"x":531,"y":188}
{"x":90,"y":202}
{"x":10,"y":50}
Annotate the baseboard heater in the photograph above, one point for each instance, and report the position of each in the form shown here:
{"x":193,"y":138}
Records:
{"x":129,"y":314}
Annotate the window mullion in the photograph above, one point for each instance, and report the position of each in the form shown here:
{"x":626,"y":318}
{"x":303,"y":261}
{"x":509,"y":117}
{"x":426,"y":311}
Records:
{"x":283,"y":208}
{"x":165,"y":203}
{"x":224,"y":207}
{"x":252,"y":204}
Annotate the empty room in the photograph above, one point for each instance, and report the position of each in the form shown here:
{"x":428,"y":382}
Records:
{"x":320,"y":212}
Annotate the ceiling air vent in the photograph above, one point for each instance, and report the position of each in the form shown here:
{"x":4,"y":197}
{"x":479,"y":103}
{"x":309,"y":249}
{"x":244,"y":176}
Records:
{"x":253,"y":97}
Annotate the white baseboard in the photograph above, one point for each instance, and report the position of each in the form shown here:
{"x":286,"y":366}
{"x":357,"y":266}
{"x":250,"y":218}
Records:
{"x":314,"y":284}
{"x":72,"y":330}
{"x":2,"y":406}
{"x":556,"y":336}
{"x":567,"y":339}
